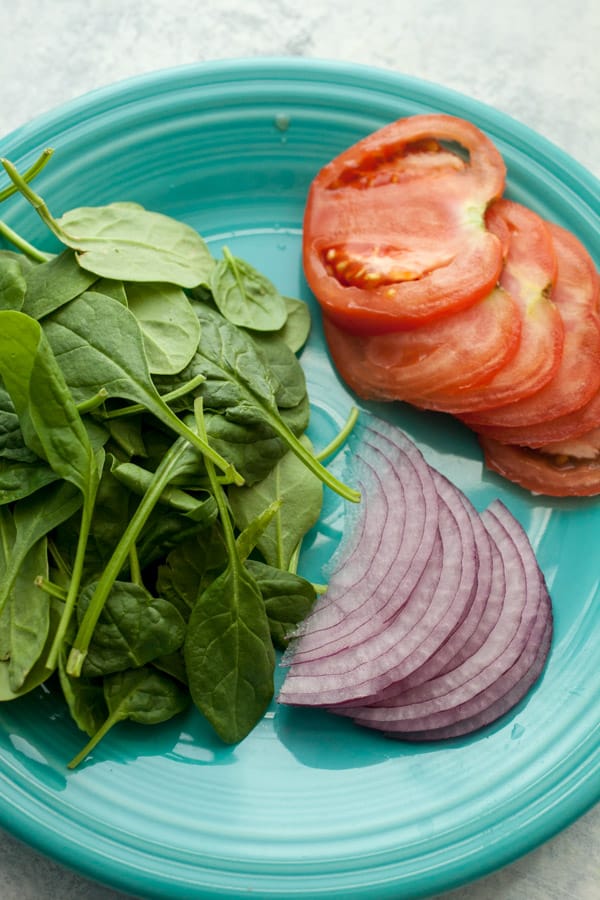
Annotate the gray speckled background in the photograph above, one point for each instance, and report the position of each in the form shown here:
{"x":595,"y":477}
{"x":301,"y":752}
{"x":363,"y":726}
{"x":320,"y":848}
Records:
{"x":537,"y":60}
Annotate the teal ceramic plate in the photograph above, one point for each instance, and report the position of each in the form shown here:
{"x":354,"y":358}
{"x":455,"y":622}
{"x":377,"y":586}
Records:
{"x":308,"y":805}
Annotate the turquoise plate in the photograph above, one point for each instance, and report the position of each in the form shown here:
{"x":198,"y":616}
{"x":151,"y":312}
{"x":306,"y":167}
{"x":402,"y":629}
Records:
{"x":308,"y":805}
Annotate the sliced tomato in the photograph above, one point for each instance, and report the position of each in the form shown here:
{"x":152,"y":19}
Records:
{"x":528,"y":274}
{"x":563,"y":428}
{"x":394,"y":233}
{"x":557,"y":475}
{"x":456,"y":351}
{"x":576,"y":295}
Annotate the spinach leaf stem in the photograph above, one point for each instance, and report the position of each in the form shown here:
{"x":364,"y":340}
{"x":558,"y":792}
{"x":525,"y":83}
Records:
{"x":29,"y":174}
{"x":93,"y":402}
{"x":48,"y":587}
{"x":312,"y":462}
{"x":21,"y":244}
{"x":340,"y":437}
{"x":134,"y":408}
{"x":161,"y":478}
{"x":78,"y":564}
{"x":34,"y":199}
{"x":217,"y":489}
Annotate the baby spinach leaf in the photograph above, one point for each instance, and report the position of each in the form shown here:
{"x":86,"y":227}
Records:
{"x":84,"y":697}
{"x":253,"y":449}
{"x":126,"y":433}
{"x":296,"y":418}
{"x":142,"y":695}
{"x":51,"y":427}
{"x":21,"y":479}
{"x":169,"y":326}
{"x":190,"y":567}
{"x":49,"y":421}
{"x":39,"y":672}
{"x":51,"y":284}
{"x":296,"y":330}
{"x":235,"y":366}
{"x":12,"y":445}
{"x":124,"y":241}
{"x":20,"y":258}
{"x":166,"y":470}
{"x":229,"y":657}
{"x":237,"y":381}
{"x":111,"y":288}
{"x":228,"y":654}
{"x":31,"y":519}
{"x":245,"y":296}
{"x":99,"y":345}
{"x":288,"y":598}
{"x":133,"y":629}
{"x":290,"y":384}
{"x":111,"y":510}
{"x":12,"y":284}
{"x":248,"y":538}
{"x":172,"y":664}
{"x":166,"y":529}
{"x":241,"y":386}
{"x":297,"y":326}
{"x":25,"y":619}
{"x":300,"y":496}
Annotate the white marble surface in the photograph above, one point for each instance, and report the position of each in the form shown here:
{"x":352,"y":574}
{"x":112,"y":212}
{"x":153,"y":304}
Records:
{"x":537,"y":60}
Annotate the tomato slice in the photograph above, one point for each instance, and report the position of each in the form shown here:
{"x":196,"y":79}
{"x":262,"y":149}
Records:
{"x":394,"y":232}
{"x":576,"y":294}
{"x":528,"y":274}
{"x":556,"y":475}
{"x":563,"y":428}
{"x":456,"y":351}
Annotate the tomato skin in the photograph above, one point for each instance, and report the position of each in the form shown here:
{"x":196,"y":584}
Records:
{"x":576,"y":294}
{"x":464,"y":349}
{"x":412,"y":242}
{"x":539,"y":472}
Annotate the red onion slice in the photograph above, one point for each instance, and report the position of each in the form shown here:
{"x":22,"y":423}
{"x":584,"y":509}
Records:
{"x":496,"y":708}
{"x":394,"y":480}
{"x":396,"y":646}
{"x":436,"y":702}
{"x":485,"y":607}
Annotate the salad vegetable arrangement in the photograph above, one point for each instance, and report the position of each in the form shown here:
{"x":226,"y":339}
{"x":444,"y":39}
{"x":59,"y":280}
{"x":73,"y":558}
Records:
{"x":156,"y":481}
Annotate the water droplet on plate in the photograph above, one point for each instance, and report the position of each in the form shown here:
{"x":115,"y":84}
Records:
{"x":517,"y":732}
{"x":282,"y":121}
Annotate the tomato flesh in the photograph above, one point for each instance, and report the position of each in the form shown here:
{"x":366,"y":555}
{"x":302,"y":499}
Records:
{"x":555,"y":475}
{"x":528,"y":274}
{"x":576,"y":295}
{"x":456,"y":351}
{"x":395,"y":236}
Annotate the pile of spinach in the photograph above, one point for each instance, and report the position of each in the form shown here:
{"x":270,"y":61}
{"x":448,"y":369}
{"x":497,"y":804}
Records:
{"x":155,"y":479}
